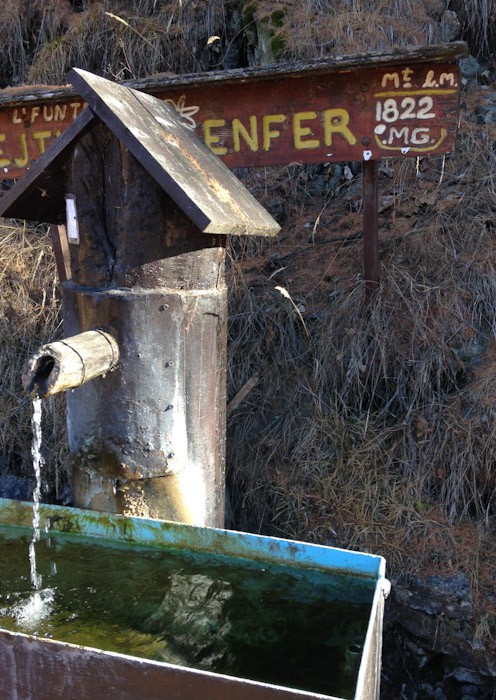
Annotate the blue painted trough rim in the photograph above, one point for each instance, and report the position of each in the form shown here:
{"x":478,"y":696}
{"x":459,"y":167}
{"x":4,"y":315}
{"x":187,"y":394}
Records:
{"x":160,"y":533}
{"x":166,"y":534}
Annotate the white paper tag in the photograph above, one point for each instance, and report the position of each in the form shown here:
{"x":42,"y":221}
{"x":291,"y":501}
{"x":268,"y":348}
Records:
{"x":72,"y":222}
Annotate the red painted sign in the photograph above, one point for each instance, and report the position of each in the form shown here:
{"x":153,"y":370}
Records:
{"x":356,"y":114}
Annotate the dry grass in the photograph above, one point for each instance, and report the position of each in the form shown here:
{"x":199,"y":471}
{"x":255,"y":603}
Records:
{"x":371,"y":426}
{"x":24,"y":29}
{"x":132,"y":39}
{"x":43,"y":39}
{"x":28,"y":317}
{"x":479,"y":26}
{"x":299,"y":30}
{"x":375,"y":429}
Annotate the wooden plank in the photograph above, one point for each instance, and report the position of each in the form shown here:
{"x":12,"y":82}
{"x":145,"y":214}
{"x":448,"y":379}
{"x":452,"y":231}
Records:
{"x":186,"y":169}
{"x":233,"y":111}
{"x":369,"y":113}
{"x":371,"y":265}
{"x":61,"y":251}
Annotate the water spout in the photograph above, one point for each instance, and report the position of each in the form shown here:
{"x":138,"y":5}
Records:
{"x":66,"y":364}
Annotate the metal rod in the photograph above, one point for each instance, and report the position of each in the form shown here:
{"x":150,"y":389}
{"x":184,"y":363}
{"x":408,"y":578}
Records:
{"x":371,"y":267}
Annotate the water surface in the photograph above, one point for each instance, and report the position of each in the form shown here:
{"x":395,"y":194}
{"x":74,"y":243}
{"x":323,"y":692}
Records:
{"x":297,"y":628}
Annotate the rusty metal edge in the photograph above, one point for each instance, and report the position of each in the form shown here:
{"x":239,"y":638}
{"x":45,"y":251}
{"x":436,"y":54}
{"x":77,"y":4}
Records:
{"x":39,"y":668}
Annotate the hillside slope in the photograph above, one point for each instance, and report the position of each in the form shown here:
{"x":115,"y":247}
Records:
{"x":368,"y":426}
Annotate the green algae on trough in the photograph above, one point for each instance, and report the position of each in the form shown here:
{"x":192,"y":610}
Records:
{"x":262,"y":621}
{"x":158,"y":533}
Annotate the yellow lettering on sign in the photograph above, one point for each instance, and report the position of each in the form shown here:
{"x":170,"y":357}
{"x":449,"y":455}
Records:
{"x":47,"y":113}
{"x":60,"y":111}
{"x":75,"y":107}
{"x":40,"y":137}
{"x":35,"y":113}
{"x":447,"y":78}
{"x":300,"y":131}
{"x":336,"y":122}
{"x":420,"y":136}
{"x":212,"y":139}
{"x":249,"y":137}
{"x":4,"y":162}
{"x":406,"y":75}
{"x":387,"y":77}
{"x":268,"y":133}
{"x":22,"y":161}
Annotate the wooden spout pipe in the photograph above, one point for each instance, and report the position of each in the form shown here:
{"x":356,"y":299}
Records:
{"x":66,"y":364}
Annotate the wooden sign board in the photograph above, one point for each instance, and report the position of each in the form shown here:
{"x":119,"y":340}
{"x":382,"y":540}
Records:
{"x":356,"y":109}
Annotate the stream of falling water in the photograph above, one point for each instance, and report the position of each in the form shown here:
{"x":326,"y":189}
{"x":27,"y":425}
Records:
{"x":40,"y":602}
{"x":37,"y":464}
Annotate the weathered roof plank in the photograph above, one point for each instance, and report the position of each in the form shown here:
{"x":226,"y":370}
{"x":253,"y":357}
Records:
{"x":188,"y":171}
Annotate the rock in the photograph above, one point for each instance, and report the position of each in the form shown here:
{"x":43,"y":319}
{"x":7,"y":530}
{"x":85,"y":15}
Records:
{"x":435,"y":8}
{"x":486,"y":112}
{"x":278,"y":209}
{"x":450,"y":26}
{"x":429,"y":630}
{"x":334,"y":176}
{"x":470,"y":692}
{"x":439,"y":595}
{"x":465,"y":675}
{"x":354,"y":194}
{"x":15,"y":487}
{"x":470,"y":70}
{"x":347,"y":174}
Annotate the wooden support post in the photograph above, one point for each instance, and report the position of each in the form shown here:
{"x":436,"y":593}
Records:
{"x":371,"y":271}
{"x":148,"y":439}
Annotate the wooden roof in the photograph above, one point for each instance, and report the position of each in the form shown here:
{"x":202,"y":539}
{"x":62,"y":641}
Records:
{"x":200,"y":184}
